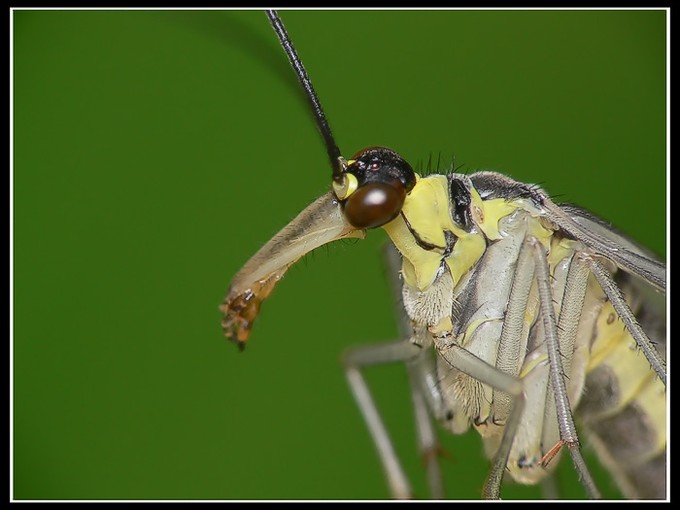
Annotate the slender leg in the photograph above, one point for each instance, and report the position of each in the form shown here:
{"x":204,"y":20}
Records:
{"x":572,"y":308}
{"x":510,"y":345}
{"x":549,"y":488}
{"x":492,"y":485}
{"x":565,"y":419}
{"x":355,"y":358}
{"x":567,"y":328}
{"x":468,"y":363}
{"x":403,"y":351}
{"x":614,"y":294}
{"x":425,"y":395}
{"x":426,"y":434}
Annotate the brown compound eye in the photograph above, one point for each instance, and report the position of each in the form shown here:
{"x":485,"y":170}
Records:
{"x":374,"y":187}
{"x":375,"y":204}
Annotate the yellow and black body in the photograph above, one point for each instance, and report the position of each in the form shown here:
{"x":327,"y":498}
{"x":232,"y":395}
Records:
{"x":522,"y":315}
{"x":460,"y":238}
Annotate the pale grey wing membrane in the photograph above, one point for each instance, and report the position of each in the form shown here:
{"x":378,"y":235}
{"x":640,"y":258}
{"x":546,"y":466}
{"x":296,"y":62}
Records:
{"x":605,"y":240}
{"x":579,"y":224}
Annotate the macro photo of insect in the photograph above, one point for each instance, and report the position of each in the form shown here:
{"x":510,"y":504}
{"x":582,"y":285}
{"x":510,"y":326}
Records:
{"x":519,"y":316}
{"x":340,"y":254}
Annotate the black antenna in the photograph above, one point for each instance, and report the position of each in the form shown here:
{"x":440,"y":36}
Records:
{"x":337,"y":162}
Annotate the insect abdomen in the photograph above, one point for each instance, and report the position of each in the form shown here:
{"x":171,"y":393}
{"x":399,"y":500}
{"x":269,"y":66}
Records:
{"x":623,"y":408}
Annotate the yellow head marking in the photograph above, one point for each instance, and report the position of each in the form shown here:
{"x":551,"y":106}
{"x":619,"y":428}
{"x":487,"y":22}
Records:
{"x":346,"y":187}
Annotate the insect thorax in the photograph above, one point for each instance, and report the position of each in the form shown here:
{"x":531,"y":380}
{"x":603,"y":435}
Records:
{"x":460,"y":238}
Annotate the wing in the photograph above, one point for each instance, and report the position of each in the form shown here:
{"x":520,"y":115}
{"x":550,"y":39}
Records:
{"x":605,"y":240}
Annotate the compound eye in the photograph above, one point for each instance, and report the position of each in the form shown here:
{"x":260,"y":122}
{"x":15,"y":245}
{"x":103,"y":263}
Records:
{"x":375,"y":203}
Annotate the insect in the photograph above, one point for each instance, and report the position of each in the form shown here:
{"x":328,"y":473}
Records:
{"x":448,"y":263}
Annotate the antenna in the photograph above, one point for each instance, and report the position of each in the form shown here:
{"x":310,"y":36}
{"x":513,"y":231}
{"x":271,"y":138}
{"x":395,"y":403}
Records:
{"x":337,"y":161}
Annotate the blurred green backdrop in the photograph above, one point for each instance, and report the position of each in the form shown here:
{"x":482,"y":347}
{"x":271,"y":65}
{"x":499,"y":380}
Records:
{"x":155,"y":151}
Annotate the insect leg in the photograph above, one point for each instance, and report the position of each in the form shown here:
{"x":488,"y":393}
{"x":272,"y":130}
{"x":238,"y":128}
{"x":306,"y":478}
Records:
{"x":589,"y":231}
{"x":428,"y":443}
{"x":565,"y":419}
{"x":549,"y":488}
{"x":509,"y":347}
{"x":462,"y":359}
{"x":355,"y":358}
{"x":571,"y":310}
{"x":614,"y":294}
{"x":573,"y":299}
{"x":425,"y":394}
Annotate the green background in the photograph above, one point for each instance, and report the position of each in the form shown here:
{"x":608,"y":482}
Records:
{"x":155,"y":152}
